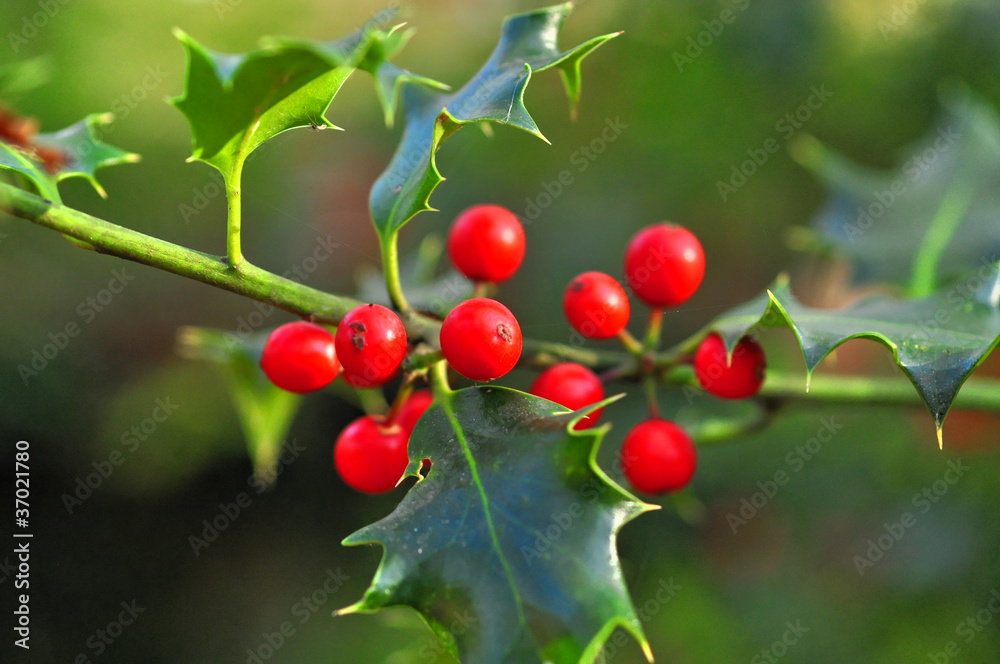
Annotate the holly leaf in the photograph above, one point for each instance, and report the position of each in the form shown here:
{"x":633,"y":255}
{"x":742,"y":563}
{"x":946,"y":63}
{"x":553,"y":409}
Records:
{"x":933,"y":217}
{"x":75,"y":151}
{"x":937,"y":340}
{"x":265,"y":412}
{"x":234,"y":103}
{"x":24,"y":161}
{"x":507,"y":547}
{"x":528,"y":44}
{"x":373,"y":48}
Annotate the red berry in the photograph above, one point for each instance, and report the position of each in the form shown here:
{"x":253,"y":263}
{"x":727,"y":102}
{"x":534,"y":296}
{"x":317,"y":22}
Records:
{"x":481,"y":339}
{"x":664,"y":265}
{"x":415,"y":406}
{"x":371,"y":344}
{"x":486,"y":243}
{"x":370,"y":455}
{"x":738,"y":380}
{"x":596,"y":305}
{"x":658,"y":456}
{"x":573,"y":386}
{"x":300,"y":357}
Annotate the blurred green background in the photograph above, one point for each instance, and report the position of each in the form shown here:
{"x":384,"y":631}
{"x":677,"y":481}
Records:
{"x":684,"y":128}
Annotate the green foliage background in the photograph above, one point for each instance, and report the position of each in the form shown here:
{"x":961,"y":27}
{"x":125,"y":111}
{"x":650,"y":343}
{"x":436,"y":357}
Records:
{"x":681,"y":132}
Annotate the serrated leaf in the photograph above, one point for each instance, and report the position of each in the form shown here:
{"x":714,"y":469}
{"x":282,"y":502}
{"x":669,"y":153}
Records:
{"x":265,"y":412}
{"x":82,"y":153}
{"x":933,"y":217}
{"x":507,"y":548}
{"x":20,"y":160}
{"x":937,"y":341}
{"x":390,"y":79}
{"x":234,"y":103}
{"x":528,"y":44}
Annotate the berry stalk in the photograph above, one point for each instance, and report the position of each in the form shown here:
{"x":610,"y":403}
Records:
{"x":107,"y":238}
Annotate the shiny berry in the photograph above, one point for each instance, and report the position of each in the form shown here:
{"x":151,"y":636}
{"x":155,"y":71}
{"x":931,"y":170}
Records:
{"x":371,"y":344}
{"x":486,"y":243}
{"x":738,"y":380}
{"x":573,"y":386}
{"x":658,"y":456}
{"x":415,"y":406}
{"x":481,"y":339}
{"x":300,"y":357}
{"x":370,"y":454}
{"x":596,"y":305}
{"x":664,"y":265}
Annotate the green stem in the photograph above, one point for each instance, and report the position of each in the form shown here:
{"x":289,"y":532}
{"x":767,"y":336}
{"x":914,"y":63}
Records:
{"x":631,"y":344}
{"x":440,"y":386}
{"x":114,"y":240}
{"x":390,"y":267}
{"x":653,"y":329}
{"x":976,"y":394}
{"x":402,"y":396}
{"x":420,"y":361}
{"x":373,"y":401}
{"x":649,"y":382}
{"x":546,"y":354}
{"x":253,"y":282}
{"x":234,"y":195}
{"x":947,"y":220}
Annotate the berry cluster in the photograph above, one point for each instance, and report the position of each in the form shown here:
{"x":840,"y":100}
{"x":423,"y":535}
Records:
{"x":480,"y":338}
{"x":664,"y":266}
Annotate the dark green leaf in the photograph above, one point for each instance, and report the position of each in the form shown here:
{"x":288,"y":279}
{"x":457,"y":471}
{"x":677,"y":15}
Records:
{"x":937,"y":341}
{"x":234,"y":103}
{"x":507,"y":548}
{"x":81,"y":154}
{"x":937,"y":215}
{"x":528,"y":44}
